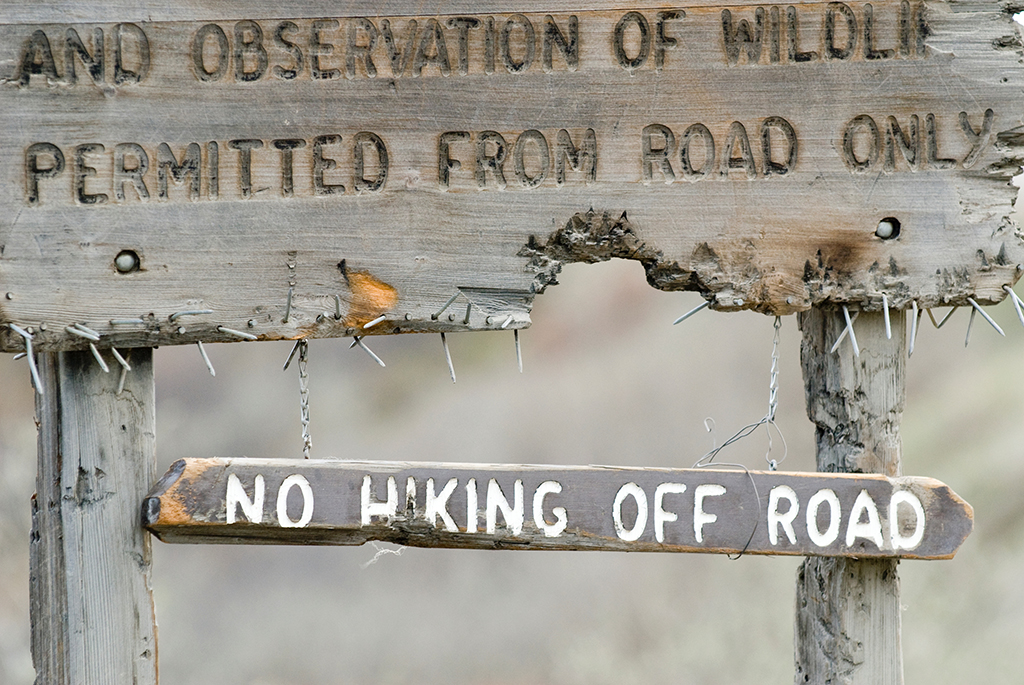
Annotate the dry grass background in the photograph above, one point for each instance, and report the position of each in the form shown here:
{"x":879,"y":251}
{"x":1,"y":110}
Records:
{"x":608,"y":380}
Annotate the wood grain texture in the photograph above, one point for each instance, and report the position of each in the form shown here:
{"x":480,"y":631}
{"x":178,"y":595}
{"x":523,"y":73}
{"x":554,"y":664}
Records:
{"x":484,"y":506}
{"x":848,"y":611}
{"x":92,"y":609}
{"x":507,"y":158}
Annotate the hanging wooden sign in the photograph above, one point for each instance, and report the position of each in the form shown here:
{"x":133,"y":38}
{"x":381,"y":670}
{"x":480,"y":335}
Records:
{"x":263,"y":170}
{"x":326,"y":502}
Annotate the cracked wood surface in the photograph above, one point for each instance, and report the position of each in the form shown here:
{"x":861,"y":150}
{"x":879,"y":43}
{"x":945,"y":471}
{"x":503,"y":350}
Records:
{"x":486,"y":506}
{"x":93,"y":619}
{"x":847,"y":627}
{"x":213,"y":142}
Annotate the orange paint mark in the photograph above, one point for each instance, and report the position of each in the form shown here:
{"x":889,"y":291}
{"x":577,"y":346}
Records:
{"x":370,"y":297}
{"x":172,"y":502}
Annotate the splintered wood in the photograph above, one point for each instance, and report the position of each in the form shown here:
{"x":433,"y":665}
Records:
{"x":327,"y":502}
{"x":181,"y":173}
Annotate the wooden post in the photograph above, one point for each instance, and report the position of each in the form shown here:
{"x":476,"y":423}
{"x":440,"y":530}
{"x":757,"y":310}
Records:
{"x":91,"y":604}
{"x":847,"y":610}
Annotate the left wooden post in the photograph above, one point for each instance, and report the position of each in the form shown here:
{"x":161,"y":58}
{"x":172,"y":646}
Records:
{"x":93,"y":620}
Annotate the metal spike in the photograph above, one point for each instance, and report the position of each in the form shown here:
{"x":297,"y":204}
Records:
{"x":853,"y":336}
{"x":1017,"y":303}
{"x":120,"y":360}
{"x":371,"y":324}
{"x":288,"y":305}
{"x":86,"y":329}
{"x":942,"y":323}
{"x":291,"y":355}
{"x":188,"y":312}
{"x":31,"y":357}
{"x":519,"y":351}
{"x":687,"y":315}
{"x":202,"y":351}
{"x":238,"y":334}
{"x":885,"y":311}
{"x":970,"y":323}
{"x":448,"y":357}
{"x":988,"y":318}
{"x":842,"y":336}
{"x":914,"y":322}
{"x":359,"y":341}
{"x":99,"y":357}
{"x":447,"y":304}
{"x":82,"y":334}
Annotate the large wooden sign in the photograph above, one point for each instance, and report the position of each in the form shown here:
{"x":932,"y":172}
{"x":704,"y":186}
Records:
{"x":174,"y":173}
{"x":288,"y":501}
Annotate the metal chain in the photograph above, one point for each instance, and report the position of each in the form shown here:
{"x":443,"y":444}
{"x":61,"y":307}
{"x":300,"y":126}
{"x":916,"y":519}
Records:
{"x":773,"y":401}
{"x":773,"y":383}
{"x":768,"y":420}
{"x":307,"y":442}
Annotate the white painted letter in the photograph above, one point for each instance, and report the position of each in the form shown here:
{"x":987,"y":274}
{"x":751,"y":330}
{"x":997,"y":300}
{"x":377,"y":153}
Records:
{"x":410,"y":496}
{"x":898,"y":540}
{"x":832,"y":532}
{"x":370,"y":508}
{"x":282,"y":502}
{"x":437,"y":505}
{"x":700,"y":517}
{"x":513,"y":514}
{"x":236,"y":496}
{"x":775,"y":519}
{"x":660,"y":515}
{"x":637,"y":493}
{"x":870,"y":529}
{"x":472,"y":506}
{"x":551,"y":530}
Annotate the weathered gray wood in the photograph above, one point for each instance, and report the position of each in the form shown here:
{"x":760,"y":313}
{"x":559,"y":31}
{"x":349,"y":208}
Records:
{"x":848,"y":611}
{"x":308,"y":502}
{"x":91,"y":605}
{"x":777,"y":233}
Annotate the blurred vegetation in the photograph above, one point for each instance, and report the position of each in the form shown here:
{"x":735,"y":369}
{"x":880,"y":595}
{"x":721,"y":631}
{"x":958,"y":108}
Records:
{"x":607,"y":380}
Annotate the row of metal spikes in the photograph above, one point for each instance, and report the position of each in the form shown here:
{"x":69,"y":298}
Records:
{"x":915,"y":320}
{"x":93,"y":337}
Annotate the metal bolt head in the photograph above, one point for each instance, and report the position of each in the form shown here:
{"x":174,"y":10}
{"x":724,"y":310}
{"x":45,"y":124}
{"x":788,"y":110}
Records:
{"x":10,"y":296}
{"x":888,"y":227}
{"x":126,"y":262}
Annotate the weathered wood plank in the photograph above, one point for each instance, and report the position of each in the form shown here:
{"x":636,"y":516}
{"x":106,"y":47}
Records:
{"x":848,"y":611}
{"x":217,"y":157}
{"x":114,"y":11}
{"x":286,"y":501}
{"x":91,"y":605}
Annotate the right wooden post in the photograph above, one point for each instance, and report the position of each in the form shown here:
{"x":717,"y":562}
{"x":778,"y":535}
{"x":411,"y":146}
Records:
{"x":848,"y":610}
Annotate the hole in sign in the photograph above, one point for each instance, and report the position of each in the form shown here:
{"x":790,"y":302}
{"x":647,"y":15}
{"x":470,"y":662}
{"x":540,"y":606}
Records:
{"x":888,"y":228}
{"x":126,"y":261}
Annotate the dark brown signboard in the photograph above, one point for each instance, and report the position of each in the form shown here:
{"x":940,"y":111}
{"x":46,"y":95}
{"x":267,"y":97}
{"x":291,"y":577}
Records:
{"x":286,"y":501}
{"x":181,"y":172}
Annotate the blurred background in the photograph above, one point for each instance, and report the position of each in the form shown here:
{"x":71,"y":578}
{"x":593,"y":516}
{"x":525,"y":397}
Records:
{"x":607,"y":380}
